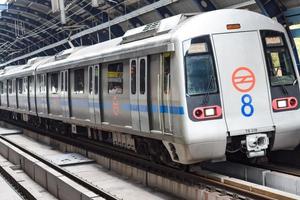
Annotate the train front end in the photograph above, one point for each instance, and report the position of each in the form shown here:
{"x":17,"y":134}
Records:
{"x":241,"y":86}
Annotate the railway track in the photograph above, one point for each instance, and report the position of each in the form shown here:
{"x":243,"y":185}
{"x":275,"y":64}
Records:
{"x":59,"y":169}
{"x":223,"y":185}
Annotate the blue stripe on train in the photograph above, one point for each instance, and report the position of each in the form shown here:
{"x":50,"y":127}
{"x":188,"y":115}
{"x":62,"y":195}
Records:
{"x":175,"y":110}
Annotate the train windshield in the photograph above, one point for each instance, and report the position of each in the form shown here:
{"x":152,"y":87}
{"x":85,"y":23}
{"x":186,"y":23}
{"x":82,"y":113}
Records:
{"x":278,"y":58}
{"x":199,"y":66}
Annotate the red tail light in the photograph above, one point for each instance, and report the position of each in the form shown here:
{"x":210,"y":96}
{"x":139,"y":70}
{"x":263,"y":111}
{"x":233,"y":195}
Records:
{"x":286,"y":103}
{"x":209,"y":112}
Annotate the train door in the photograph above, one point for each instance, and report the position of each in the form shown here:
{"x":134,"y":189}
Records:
{"x":64,"y":92}
{"x":94,"y":103}
{"x":160,"y":93}
{"x":44,"y":96}
{"x":166,"y":94}
{"x":25,"y":93}
{"x":243,"y":83}
{"x":139,"y":94}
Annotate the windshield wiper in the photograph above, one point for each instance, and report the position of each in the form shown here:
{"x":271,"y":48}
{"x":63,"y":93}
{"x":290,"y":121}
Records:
{"x":284,"y":90}
{"x":206,"y":97}
{"x":295,"y":81}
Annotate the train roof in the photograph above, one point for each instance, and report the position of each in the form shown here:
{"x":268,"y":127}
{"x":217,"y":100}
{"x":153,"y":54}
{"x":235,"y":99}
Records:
{"x":28,"y":68}
{"x":159,"y":36}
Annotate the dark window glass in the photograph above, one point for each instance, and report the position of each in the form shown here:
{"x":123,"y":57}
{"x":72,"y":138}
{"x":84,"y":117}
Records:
{"x":66,"y":81}
{"x":61,"y":81}
{"x":53,"y":83}
{"x":142,"y":76}
{"x":278,"y":59}
{"x":199,"y":67}
{"x":1,"y":87}
{"x":133,"y":76}
{"x":9,"y":86}
{"x":20,"y":85}
{"x":115,"y":78}
{"x":96,"y":79}
{"x":25,"y":85}
{"x":13,"y":85}
{"x":40,"y":82}
{"x":79,"y":80}
{"x":167,"y":79}
{"x":31,"y":84}
{"x":90,"y":80}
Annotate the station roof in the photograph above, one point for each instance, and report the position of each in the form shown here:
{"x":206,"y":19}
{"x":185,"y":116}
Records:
{"x":29,"y":28}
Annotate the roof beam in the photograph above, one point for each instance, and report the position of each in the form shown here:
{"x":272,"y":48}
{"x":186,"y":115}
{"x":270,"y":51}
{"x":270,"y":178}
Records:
{"x":136,"y":13}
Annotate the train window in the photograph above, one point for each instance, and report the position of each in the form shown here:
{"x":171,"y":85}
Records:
{"x":61,"y":81}
{"x":66,"y":81}
{"x":9,"y":86}
{"x":133,"y":76}
{"x":199,"y":66}
{"x":1,"y":87}
{"x":31,"y":84}
{"x":96,"y":79}
{"x":25,"y":86}
{"x":142,"y":76}
{"x":40,"y":81}
{"x":54,"y":83}
{"x":278,"y":59}
{"x":90,"y":80}
{"x":20,"y":85}
{"x":166,"y":66}
{"x":79,"y":80}
{"x":13,"y":86}
{"x":115,"y":78}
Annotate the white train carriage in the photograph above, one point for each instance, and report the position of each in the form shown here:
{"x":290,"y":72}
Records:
{"x":185,"y":89}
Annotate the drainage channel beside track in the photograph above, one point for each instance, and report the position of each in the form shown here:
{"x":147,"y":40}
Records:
{"x":200,"y":184}
{"x":16,"y":185}
{"x":269,"y":175}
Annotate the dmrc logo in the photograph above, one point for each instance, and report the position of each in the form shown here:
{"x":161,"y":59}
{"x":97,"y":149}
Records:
{"x":243,"y":80}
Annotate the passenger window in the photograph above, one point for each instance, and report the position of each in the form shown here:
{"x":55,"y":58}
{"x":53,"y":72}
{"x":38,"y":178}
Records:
{"x":31,"y":84}
{"x":1,"y":87}
{"x":142,"y":76}
{"x":20,"y":85}
{"x":40,"y":81}
{"x":61,"y":81}
{"x":96,"y":79}
{"x":278,"y":58}
{"x":133,"y":76}
{"x":166,"y":67}
{"x":79,"y":80}
{"x":66,"y":81}
{"x":54,"y":83}
{"x":25,"y":86}
{"x":9,"y":86}
{"x":115,"y":78}
{"x":90,"y":80}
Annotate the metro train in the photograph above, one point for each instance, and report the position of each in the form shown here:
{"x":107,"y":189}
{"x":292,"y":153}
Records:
{"x":186,"y":89}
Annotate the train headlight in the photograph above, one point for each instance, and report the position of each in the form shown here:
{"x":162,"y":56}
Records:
{"x":286,"y":103}
{"x":209,"y":112}
{"x":282,"y":103}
